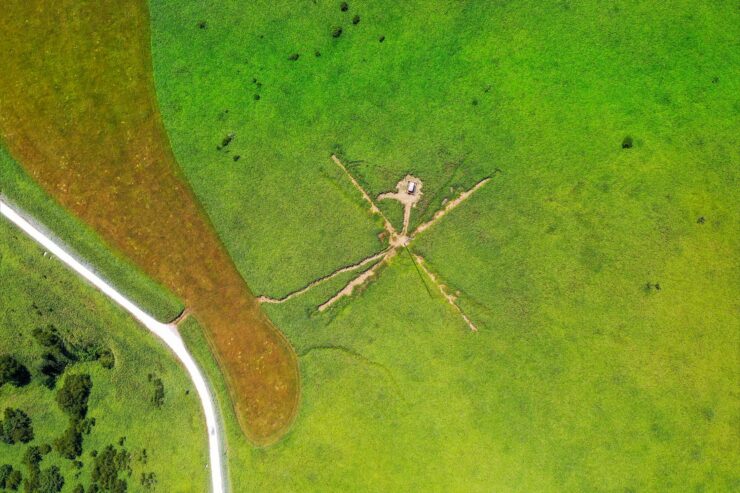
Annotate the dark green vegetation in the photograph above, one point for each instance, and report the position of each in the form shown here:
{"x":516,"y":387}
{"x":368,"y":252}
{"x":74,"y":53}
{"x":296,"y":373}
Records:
{"x":82,"y":367}
{"x":599,"y":263}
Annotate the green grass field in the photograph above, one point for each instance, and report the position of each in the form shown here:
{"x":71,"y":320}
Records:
{"x":581,"y":378}
{"x":584,"y":376}
{"x":37,"y":291}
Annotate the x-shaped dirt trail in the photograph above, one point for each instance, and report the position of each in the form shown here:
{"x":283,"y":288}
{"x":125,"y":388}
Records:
{"x":396,"y":243}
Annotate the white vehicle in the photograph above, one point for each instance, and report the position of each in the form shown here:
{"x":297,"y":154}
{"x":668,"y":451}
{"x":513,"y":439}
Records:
{"x":411,"y":188}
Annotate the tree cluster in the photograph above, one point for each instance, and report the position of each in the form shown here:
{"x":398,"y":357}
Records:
{"x":16,"y":427}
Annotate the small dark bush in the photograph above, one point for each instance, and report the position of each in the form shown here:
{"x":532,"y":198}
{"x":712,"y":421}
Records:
{"x":148,"y":480}
{"x":51,"y":480}
{"x":317,"y":53}
{"x":336,"y":31}
{"x":45,"y":449}
{"x":14,"y":480}
{"x":227,"y":140}
{"x":12,"y":372}
{"x":32,"y":457}
{"x":107,"y":359}
{"x":474,"y":102}
{"x":294,"y":57}
{"x":237,"y":158}
{"x":5,"y":472}
{"x":69,"y":445}
{"x":715,"y":80}
{"x":256,"y":97}
{"x":108,"y":465}
{"x":381,"y":39}
{"x":356,"y":19}
{"x":52,"y":368}
{"x":72,"y":397}
{"x":701,"y":220}
{"x":78,"y":489}
{"x":202,"y":24}
{"x":627,"y":143}
{"x":158,"y":396}
{"x":16,"y":427}
{"x":344,"y":7}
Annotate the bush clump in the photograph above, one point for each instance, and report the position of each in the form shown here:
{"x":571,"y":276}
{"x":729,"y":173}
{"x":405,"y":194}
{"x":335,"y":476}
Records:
{"x":336,"y":31}
{"x":158,"y":395}
{"x":356,"y":19}
{"x":344,"y":6}
{"x":627,"y":143}
{"x":108,"y":465}
{"x":72,"y":397}
{"x":16,"y":427}
{"x":294,"y":57}
{"x":10,"y":479}
{"x":12,"y":372}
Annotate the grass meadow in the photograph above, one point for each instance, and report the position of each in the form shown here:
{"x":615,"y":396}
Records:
{"x":37,"y":291}
{"x":584,"y":375}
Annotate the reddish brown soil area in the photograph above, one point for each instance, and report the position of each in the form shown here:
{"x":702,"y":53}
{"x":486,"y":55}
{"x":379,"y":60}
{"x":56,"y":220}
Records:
{"x":78,"y":111}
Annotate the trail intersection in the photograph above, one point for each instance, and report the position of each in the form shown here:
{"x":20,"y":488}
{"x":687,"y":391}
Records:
{"x":408,"y":193}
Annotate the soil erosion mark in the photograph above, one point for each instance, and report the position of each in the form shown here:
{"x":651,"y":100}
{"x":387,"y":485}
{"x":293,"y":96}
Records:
{"x":78,"y":111}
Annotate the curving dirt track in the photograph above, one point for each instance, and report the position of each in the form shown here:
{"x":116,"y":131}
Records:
{"x":79,"y":113}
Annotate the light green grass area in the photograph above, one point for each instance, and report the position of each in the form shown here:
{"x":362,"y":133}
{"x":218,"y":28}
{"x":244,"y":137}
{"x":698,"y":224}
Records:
{"x":20,"y":190}
{"x":581,"y":378}
{"x":37,"y":290}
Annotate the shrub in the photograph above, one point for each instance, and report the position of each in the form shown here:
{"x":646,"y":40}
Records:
{"x":14,"y":480}
{"x":49,"y":337}
{"x":381,"y":39}
{"x":108,"y":465}
{"x":627,"y":143}
{"x":32,"y":457}
{"x":78,"y":489}
{"x":12,"y":372}
{"x":107,"y":359}
{"x":5,"y":471}
{"x":356,"y":19}
{"x":52,"y":368}
{"x":72,"y":397}
{"x":50,"y":480}
{"x":148,"y":480}
{"x":344,"y":7}
{"x":336,"y":31}
{"x":294,"y":57}
{"x":16,"y":427}
{"x":158,"y":396}
{"x":69,"y":445}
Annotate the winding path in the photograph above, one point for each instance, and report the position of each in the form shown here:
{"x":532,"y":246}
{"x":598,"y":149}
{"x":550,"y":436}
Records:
{"x":166,"y":332}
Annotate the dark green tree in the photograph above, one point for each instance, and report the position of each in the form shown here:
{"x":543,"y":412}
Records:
{"x":11,"y":371}
{"x":72,"y":397}
{"x":69,"y":445}
{"x":50,"y":480}
{"x":16,"y":427}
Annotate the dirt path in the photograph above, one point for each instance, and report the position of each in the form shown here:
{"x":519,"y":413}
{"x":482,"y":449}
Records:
{"x":449,"y":206}
{"x":358,"y":281}
{"x":166,"y":332}
{"x":396,"y":242}
{"x":451,"y":299}
{"x":321,"y":280}
{"x":373,"y":208}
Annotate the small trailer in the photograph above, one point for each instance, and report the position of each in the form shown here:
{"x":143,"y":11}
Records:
{"x":411,"y":188}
